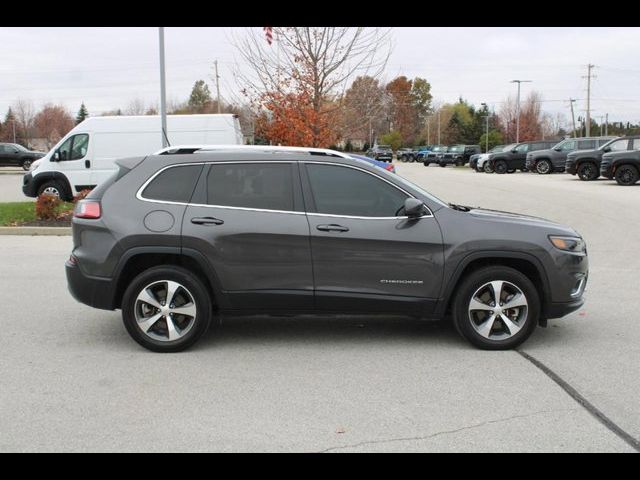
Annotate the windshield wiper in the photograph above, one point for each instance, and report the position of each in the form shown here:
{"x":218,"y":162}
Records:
{"x":460,"y":208}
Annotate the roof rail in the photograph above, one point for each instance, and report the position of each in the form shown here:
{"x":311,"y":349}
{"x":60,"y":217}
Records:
{"x":188,"y":149}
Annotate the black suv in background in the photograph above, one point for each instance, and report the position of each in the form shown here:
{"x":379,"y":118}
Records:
{"x":407,"y":154}
{"x":624,"y":166}
{"x":458,"y":155}
{"x":381,"y":152}
{"x":555,"y":159}
{"x":434,"y":154}
{"x":178,"y":240}
{"x":12,"y":154}
{"x":515,"y":159}
{"x":586,"y":163}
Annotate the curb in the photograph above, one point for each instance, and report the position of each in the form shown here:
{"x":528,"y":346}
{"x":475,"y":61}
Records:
{"x":35,"y":231}
{"x":16,"y":172}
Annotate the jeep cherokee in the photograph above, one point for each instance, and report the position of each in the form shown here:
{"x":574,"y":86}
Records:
{"x":178,"y":240}
{"x":514,"y":159}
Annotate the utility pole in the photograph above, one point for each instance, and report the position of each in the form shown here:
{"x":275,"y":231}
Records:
{"x":486,"y":130}
{"x":163,"y":99}
{"x":217,"y":84}
{"x":429,"y":130}
{"x":13,"y":122}
{"x":588,"y":77}
{"x":601,"y":124}
{"x":606,"y":124}
{"x":573,"y":118}
{"x":518,"y":108}
{"x":438,"y":127}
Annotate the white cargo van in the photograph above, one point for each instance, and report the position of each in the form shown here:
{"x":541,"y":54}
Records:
{"x":85,"y":156}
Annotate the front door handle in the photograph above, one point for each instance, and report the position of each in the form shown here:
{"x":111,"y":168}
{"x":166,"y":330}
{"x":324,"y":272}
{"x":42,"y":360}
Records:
{"x":87,"y":164}
{"x":332,"y":228}
{"x":206,"y":221}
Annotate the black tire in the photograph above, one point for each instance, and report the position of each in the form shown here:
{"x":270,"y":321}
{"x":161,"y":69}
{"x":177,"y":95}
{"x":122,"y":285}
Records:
{"x":426,"y":164}
{"x":195,"y":287}
{"x":412,"y":159}
{"x":524,"y":169}
{"x":544,"y":167}
{"x":403,"y":158}
{"x":26,"y":164}
{"x":511,"y":170}
{"x":487,"y":168}
{"x":442,"y":164}
{"x":53,"y":187}
{"x":588,"y":171}
{"x":627,"y":175}
{"x":475,"y":280}
{"x":500,"y":167}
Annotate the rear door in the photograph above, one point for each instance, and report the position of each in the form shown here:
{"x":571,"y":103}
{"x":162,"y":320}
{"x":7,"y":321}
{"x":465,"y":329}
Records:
{"x":367,"y":256}
{"x":249,"y":221}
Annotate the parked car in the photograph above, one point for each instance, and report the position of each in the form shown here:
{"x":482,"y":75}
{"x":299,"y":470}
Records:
{"x":15,"y":155}
{"x":381,"y":152}
{"x":515,"y":159}
{"x":384,"y":165}
{"x":407,"y":154}
{"x":458,"y":155}
{"x":85,"y":157}
{"x":423,"y":151}
{"x":177,"y":240}
{"x":586,"y":163}
{"x":434,"y":154}
{"x":476,"y":162}
{"x":555,"y":158}
{"x":623,"y":166}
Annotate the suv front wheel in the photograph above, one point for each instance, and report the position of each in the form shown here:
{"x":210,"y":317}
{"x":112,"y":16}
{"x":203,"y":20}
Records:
{"x":166,"y":309}
{"x":496,"y":308}
{"x":588,"y":171}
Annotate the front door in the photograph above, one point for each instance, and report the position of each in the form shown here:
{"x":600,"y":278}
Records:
{"x":74,"y":162}
{"x":250,"y":223}
{"x":367,"y":255}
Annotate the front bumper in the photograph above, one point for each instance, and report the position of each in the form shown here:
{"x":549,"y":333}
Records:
{"x":93,"y":291}
{"x":570,"y":167}
{"x":557,"y":310}
{"x":29,"y":186}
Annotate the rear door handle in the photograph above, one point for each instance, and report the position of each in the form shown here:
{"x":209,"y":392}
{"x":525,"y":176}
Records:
{"x":207,"y":221}
{"x":332,"y":228}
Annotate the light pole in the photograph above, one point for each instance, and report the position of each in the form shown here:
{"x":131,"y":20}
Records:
{"x":518,"y":108}
{"x":486,"y":128}
{"x":438,"y":126}
{"x":163,"y":102}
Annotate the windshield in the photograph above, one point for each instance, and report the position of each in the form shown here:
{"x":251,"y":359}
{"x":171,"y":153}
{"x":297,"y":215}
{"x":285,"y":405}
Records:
{"x":457,"y":148}
{"x":20,"y":147}
{"x":497,"y":148}
{"x":507,"y":148}
{"x":440,"y":148}
{"x":407,"y":183}
{"x":606,"y":144}
{"x":384,"y":147}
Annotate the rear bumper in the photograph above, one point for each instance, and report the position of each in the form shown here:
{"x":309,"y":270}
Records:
{"x":606,"y":170}
{"x":570,"y":167}
{"x":93,"y":291}
{"x":28,"y":185}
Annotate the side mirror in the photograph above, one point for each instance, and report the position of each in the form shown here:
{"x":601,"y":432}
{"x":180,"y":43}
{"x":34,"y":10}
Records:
{"x":413,"y":207}
{"x":56,"y":156}
{"x":606,"y":149}
{"x":514,"y":150}
{"x":557,"y":149}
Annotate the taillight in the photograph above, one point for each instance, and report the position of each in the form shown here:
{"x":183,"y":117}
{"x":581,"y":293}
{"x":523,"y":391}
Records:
{"x":389,"y":167}
{"x":87,"y":209}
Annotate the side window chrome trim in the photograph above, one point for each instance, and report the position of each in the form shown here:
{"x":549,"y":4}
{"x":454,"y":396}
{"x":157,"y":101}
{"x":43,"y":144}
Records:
{"x":315,"y":214}
{"x":167,"y":202}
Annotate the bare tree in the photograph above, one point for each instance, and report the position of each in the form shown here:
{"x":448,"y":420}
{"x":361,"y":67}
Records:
{"x":310,"y":67}
{"x":25,"y":113}
{"x":135,"y":107}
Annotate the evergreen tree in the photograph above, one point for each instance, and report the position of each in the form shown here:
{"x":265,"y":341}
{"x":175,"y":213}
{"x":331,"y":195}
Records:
{"x":200,"y":96}
{"x":82,"y":114}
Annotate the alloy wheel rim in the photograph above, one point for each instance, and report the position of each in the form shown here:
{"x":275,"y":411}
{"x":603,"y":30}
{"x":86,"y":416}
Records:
{"x":626,"y":176}
{"x":543,"y":167}
{"x":51,"y":191}
{"x":498,"y":310}
{"x":165,"y":311}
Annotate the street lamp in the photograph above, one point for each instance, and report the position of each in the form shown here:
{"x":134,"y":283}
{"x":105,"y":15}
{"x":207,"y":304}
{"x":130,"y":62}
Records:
{"x":518,"y":108}
{"x":163,"y":102}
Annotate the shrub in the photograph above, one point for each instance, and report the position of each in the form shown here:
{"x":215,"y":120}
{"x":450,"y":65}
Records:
{"x":47,"y":207}
{"x":82,"y":195}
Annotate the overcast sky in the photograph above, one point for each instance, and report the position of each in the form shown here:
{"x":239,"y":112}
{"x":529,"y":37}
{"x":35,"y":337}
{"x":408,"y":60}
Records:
{"x":108,"y":67}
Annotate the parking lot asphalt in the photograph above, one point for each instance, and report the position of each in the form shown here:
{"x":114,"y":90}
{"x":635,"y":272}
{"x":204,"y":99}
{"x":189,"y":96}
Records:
{"x":73,"y":380}
{"x":11,"y":188}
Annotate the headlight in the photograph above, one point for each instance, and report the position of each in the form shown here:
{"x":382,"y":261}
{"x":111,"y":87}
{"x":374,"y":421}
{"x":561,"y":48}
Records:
{"x":569,"y":244}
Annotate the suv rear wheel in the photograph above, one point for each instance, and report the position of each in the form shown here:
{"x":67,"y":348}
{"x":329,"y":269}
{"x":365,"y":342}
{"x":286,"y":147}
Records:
{"x":496,"y":308}
{"x":166,"y":309}
{"x":26,"y":164}
{"x":543,"y":167}
{"x":500,"y":166}
{"x":627,"y":175}
{"x":588,"y":171}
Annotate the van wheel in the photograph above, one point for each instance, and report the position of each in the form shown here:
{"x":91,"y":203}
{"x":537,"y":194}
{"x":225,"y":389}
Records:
{"x":54,"y":188}
{"x":166,"y":309}
{"x":627,"y":175}
{"x":588,"y":171}
{"x":500,"y":166}
{"x":496,"y":308}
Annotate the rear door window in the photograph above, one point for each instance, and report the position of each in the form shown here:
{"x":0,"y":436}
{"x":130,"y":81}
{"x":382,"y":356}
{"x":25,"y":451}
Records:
{"x":175,"y":184}
{"x":262,"y":186}
{"x":586,"y":144}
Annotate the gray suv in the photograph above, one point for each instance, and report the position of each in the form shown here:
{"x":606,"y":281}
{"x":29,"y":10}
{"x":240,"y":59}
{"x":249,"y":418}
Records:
{"x":178,"y":240}
{"x":554,"y":159}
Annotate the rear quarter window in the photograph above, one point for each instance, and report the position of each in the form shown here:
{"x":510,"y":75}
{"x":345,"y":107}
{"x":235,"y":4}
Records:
{"x":175,"y":184}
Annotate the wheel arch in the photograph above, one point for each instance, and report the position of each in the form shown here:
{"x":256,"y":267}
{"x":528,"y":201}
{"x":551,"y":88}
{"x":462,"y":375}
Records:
{"x":138,"y":259}
{"x":57,"y":176}
{"x":525,"y":263}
